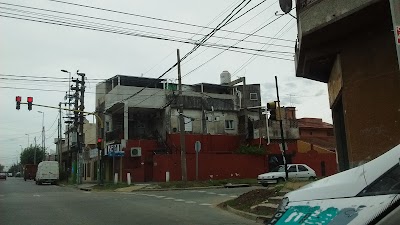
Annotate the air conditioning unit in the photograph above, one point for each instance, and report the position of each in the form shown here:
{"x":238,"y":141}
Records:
{"x":136,"y":152}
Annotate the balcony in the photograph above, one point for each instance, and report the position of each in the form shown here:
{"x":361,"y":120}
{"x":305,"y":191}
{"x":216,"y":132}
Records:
{"x":115,"y":135}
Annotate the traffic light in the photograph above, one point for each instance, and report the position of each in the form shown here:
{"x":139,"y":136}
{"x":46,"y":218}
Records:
{"x":271,"y":107}
{"x":30,"y":101}
{"x":99,"y":143}
{"x":18,"y":100}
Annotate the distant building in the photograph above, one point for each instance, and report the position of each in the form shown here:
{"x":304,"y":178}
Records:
{"x":141,"y":115}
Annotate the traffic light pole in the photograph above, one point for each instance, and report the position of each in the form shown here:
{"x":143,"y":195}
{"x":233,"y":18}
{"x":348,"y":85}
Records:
{"x":281,"y":127}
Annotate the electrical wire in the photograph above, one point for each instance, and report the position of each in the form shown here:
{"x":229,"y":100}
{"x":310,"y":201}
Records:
{"x":117,"y":21}
{"x":125,"y":31}
{"x":154,"y":18}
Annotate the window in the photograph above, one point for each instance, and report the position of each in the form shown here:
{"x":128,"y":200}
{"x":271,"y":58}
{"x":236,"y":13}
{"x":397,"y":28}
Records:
{"x":388,"y":183}
{"x":107,"y":126}
{"x":216,"y":118}
{"x":292,"y":169}
{"x":253,"y":96}
{"x":229,"y":125}
{"x":302,"y":168}
{"x":209,"y":118}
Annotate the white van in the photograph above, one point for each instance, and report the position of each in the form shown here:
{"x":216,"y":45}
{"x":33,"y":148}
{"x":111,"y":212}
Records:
{"x":365,"y":195}
{"x":47,"y":172}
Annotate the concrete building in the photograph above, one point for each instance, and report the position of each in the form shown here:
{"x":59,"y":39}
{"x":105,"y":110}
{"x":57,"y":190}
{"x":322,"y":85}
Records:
{"x":138,"y":110}
{"x":350,"y":45}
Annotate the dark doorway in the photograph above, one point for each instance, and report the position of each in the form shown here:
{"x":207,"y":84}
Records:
{"x":340,"y":133}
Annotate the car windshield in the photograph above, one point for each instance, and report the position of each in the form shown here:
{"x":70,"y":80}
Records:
{"x":389,"y":183}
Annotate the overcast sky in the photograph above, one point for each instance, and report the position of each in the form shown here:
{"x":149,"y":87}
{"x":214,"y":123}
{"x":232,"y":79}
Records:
{"x":42,"y":50}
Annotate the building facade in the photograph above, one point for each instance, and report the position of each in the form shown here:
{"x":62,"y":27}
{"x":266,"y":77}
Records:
{"x":141,"y":118}
{"x":341,"y":44}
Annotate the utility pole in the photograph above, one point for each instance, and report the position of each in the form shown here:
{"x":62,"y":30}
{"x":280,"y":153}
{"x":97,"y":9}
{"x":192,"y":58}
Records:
{"x":81,"y":143}
{"x":76,"y":122}
{"x":181,"y":122}
{"x":59,"y":138}
{"x":281,"y":126}
{"x":34,"y":154}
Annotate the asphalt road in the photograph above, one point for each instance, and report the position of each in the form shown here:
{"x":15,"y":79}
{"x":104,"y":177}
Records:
{"x":26,"y":203}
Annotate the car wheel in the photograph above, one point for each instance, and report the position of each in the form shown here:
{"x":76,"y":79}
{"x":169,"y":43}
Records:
{"x":264,"y":185}
{"x":280,"y":180}
{"x":312,"y":178}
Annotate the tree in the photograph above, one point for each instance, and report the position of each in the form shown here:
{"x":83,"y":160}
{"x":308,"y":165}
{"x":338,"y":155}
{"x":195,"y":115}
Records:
{"x":14,"y":168}
{"x":1,"y":167}
{"x":27,"y":155}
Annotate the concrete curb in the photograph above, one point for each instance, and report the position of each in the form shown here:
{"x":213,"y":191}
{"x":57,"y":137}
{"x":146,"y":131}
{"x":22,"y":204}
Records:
{"x":177,"y":189}
{"x":252,"y":216}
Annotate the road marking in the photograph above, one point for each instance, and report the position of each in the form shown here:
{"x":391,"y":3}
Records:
{"x":211,"y":193}
{"x":233,"y":196}
{"x":179,"y":200}
{"x":159,"y":196}
{"x":222,"y":194}
{"x":36,"y":195}
{"x":201,"y":191}
{"x":169,"y":198}
{"x":190,"y":202}
{"x":205,"y":204}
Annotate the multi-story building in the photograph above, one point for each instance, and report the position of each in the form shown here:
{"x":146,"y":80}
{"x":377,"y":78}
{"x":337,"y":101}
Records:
{"x":351,"y":46}
{"x":143,"y":114}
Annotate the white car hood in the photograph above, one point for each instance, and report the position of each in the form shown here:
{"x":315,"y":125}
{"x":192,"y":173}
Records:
{"x":348,"y":183}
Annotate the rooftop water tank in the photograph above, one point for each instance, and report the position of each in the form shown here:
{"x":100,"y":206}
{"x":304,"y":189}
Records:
{"x":225,"y":77}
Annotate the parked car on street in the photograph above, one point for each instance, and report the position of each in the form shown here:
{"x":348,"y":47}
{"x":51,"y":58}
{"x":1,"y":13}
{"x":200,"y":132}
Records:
{"x":47,"y":172}
{"x":295,"y":171}
{"x":3,"y":175}
{"x":365,"y":195}
{"x":9,"y":174}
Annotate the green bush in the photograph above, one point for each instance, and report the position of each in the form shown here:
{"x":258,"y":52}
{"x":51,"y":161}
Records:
{"x":251,"y":150}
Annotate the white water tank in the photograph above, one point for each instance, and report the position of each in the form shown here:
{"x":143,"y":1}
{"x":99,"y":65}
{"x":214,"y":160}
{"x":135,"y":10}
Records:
{"x":225,"y":77}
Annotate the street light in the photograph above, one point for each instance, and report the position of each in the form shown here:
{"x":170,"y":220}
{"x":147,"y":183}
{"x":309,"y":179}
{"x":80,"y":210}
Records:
{"x":28,"y":139}
{"x":43,"y":134}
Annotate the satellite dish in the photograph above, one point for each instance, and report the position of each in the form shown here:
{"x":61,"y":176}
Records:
{"x":286,"y":5}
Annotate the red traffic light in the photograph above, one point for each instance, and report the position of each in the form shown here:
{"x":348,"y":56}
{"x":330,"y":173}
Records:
{"x":30,"y":99}
{"x":18,"y":98}
{"x":99,"y":140}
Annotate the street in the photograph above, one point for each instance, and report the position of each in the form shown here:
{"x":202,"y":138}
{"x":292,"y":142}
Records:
{"x":26,"y":203}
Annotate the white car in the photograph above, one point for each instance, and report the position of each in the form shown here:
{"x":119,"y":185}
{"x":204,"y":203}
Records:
{"x":295,"y":171}
{"x":365,"y":195}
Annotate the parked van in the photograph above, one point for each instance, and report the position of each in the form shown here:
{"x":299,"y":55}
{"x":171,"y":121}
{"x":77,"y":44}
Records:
{"x":47,"y":172}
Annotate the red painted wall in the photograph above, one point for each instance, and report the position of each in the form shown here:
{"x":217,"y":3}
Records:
{"x":314,"y":159}
{"x":211,"y":166}
{"x":209,"y":143}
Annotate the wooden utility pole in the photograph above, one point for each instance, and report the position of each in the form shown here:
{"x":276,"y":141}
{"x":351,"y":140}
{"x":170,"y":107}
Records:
{"x":181,"y":122}
{"x":281,"y":126}
{"x":59,"y":139}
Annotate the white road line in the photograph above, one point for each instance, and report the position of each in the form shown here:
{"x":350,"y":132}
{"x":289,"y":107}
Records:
{"x":201,"y":191}
{"x":159,"y":196}
{"x":36,"y":195}
{"x":211,"y":193}
{"x":179,"y":200}
{"x":169,"y":198}
{"x":190,"y":202}
{"x":205,"y":204}
{"x":222,"y":194}
{"x":233,"y":196}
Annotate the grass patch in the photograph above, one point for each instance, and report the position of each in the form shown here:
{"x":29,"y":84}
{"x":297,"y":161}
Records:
{"x":109,"y":186}
{"x":208,"y":183}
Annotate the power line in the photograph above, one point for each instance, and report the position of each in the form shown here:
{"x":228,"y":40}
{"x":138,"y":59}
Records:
{"x":117,"y":21}
{"x":121,"y":32}
{"x":154,"y":18}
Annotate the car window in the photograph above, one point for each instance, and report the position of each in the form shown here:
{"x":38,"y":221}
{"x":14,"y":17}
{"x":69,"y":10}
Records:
{"x":278,"y":169}
{"x":292,"y":169}
{"x":387,"y":183}
{"x":302,"y":168}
